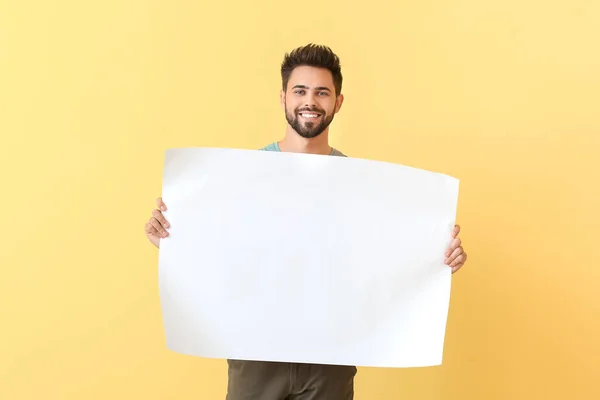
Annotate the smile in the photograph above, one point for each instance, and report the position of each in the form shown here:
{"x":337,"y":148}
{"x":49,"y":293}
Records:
{"x":310,"y":115}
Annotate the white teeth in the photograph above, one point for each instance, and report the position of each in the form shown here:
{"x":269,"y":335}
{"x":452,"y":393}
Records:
{"x":310,"y":115}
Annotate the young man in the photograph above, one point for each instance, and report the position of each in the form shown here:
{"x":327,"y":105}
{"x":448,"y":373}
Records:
{"x":310,"y":97}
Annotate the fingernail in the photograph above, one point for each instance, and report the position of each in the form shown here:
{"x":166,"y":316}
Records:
{"x":163,"y":208}
{"x":166,"y":225}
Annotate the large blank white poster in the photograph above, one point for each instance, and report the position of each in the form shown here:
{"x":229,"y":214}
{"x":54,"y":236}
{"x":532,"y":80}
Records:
{"x":305,"y":258}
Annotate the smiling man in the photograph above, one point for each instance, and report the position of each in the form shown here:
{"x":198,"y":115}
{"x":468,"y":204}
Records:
{"x":310,"y":96}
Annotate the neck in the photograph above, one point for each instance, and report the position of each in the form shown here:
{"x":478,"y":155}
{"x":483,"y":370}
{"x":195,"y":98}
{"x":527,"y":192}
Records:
{"x":294,"y":143}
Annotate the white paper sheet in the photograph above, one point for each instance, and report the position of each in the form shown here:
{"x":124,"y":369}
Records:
{"x":305,"y":258}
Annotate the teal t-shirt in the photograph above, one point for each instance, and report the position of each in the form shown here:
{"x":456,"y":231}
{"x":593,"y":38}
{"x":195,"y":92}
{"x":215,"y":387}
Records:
{"x":275,"y":147}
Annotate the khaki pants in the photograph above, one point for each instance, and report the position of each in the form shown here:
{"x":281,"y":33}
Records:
{"x":259,"y":380}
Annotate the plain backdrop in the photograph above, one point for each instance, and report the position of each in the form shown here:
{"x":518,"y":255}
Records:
{"x":502,"y":95}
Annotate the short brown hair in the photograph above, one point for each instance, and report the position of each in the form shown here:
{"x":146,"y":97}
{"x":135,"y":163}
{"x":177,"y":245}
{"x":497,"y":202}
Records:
{"x":312,"y":55}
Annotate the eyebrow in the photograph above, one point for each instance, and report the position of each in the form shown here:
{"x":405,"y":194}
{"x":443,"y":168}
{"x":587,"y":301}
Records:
{"x":317,"y":88}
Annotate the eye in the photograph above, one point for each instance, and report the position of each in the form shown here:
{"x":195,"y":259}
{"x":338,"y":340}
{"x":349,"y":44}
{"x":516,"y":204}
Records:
{"x":323,"y":93}
{"x":299,"y":92}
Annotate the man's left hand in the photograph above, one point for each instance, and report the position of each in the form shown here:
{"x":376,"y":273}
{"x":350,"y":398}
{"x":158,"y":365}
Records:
{"x":456,"y":256}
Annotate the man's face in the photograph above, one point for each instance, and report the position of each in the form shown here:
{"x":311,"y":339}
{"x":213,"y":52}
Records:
{"x":310,"y":101}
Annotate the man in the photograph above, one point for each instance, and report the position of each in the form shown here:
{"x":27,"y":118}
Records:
{"x":310,"y":97}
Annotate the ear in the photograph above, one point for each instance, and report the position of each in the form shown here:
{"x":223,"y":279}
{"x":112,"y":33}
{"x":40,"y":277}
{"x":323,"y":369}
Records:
{"x":338,"y":102}
{"x":282,"y":99}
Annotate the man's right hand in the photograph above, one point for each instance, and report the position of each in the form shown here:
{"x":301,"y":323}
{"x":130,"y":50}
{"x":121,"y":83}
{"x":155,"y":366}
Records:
{"x":156,"y":228}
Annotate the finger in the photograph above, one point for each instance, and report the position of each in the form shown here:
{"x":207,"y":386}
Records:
{"x":161,"y":204}
{"x":460,"y":264}
{"x":453,"y":246}
{"x":459,"y":261}
{"x":161,"y":218}
{"x":457,"y":252}
{"x":161,"y":231}
{"x":455,"y":231}
{"x":151,"y":230}
{"x":454,"y":269}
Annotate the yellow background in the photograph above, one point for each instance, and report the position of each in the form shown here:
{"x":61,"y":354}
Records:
{"x":503,"y":95}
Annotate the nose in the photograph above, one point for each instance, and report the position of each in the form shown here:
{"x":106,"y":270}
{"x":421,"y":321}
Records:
{"x":310,"y":100}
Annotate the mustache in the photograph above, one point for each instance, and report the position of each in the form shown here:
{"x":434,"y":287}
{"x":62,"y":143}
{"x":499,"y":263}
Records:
{"x":310,"y":110}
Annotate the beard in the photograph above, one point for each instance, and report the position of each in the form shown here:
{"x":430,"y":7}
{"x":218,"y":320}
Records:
{"x":309,"y":129}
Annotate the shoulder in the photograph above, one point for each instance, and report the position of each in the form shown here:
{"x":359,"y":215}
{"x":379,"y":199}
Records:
{"x":336,"y":152}
{"x":271,"y":147}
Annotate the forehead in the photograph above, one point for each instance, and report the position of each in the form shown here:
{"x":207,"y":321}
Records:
{"x":311,"y":77}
